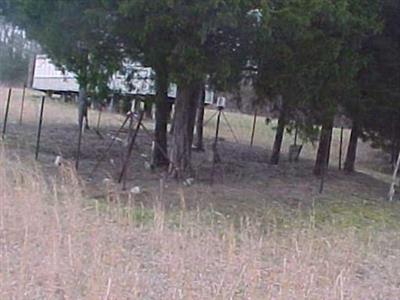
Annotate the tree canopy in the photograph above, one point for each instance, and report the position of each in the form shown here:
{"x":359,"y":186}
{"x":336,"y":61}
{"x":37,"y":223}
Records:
{"x":312,"y":58}
{"x":16,"y":52}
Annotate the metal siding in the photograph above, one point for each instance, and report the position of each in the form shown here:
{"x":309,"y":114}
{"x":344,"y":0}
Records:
{"x":47,"y":77}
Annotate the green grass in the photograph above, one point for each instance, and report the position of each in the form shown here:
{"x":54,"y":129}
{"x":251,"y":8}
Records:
{"x":138,"y":215}
{"x":358,"y":214}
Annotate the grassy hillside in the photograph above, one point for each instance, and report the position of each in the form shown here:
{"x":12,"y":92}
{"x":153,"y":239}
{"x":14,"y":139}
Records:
{"x":56,"y":244}
{"x":259,"y":232}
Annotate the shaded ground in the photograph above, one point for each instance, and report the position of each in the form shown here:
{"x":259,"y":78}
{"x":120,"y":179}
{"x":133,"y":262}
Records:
{"x":244,"y":181}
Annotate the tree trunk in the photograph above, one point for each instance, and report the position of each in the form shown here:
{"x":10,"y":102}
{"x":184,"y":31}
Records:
{"x":110,"y":107}
{"x":199,"y":145}
{"x":395,"y":151}
{"x":171,"y":130}
{"x":328,"y":155}
{"x":31,"y":71}
{"x":280,"y":130}
{"x":163,"y":109}
{"x":182,"y":137}
{"x":148,"y":109}
{"x":324,"y":146}
{"x":352,"y":149}
{"x":393,"y":139}
{"x":83,"y":108}
{"x":82,"y":112}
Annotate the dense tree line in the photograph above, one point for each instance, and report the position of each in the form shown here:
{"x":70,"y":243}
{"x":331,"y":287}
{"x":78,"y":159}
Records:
{"x":312,"y":58}
{"x":16,"y":53}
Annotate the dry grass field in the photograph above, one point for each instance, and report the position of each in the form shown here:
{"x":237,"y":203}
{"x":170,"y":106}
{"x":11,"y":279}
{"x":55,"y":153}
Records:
{"x":260,"y":232}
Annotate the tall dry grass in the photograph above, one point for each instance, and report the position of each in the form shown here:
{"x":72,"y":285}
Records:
{"x":54,"y":244}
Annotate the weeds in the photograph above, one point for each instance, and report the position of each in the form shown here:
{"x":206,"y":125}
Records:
{"x":56,"y":245}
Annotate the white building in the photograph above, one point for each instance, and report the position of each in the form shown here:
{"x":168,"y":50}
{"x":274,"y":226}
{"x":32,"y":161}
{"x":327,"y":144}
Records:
{"x":47,"y":77}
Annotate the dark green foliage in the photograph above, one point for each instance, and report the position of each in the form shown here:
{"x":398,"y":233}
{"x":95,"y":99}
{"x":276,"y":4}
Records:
{"x":74,"y":35}
{"x":185,"y":42}
{"x":13,"y":68}
{"x":188,"y":39}
{"x":309,"y":57}
{"x":380,"y":83}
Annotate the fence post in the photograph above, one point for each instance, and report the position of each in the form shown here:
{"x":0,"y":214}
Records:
{"x":21,"y":115}
{"x":39,"y":128}
{"x":6,"y":114}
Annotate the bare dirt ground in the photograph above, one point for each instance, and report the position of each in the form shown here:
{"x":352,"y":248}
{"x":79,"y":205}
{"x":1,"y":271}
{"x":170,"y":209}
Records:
{"x":260,"y":232}
{"x":243,"y":178}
